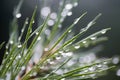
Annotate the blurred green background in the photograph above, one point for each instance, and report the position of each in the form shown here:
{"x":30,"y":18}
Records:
{"x":110,"y":10}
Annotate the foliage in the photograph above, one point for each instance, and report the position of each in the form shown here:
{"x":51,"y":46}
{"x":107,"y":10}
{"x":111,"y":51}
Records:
{"x":50,"y":56}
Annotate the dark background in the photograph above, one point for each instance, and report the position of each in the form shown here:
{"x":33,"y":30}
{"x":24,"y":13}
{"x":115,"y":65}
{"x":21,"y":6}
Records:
{"x":110,"y":18}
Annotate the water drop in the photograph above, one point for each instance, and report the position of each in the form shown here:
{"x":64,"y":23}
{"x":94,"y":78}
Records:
{"x":57,"y":58}
{"x":92,"y":68}
{"x":68,"y":6}
{"x":11,"y":42}
{"x":28,"y":68}
{"x":85,"y":71}
{"x":75,"y":4}
{"x":19,"y":38}
{"x":88,"y":58}
{"x":104,"y":67}
{"x":62,"y":19}
{"x":22,"y":30}
{"x":63,"y":54}
{"x":42,"y":67}
{"x":8,"y":76}
{"x":25,"y":58}
{"x":19,"y":56}
{"x":69,"y":31}
{"x":59,"y":72}
{"x":83,"y":76}
{"x":36,"y":33}
{"x":7,"y":53}
{"x":84,"y":42}
{"x":48,"y":60}
{"x":33,"y":21}
{"x":18,"y":15}
{"x":67,"y":50}
{"x":30,"y":30}
{"x":47,"y":32}
{"x":26,"y":22}
{"x":39,"y":38}
{"x":60,"y":26}
{"x":53,"y":15}
{"x":92,"y":75}
{"x":23,"y":68}
{"x":105,"y":62}
{"x":34,"y":73}
{"x":77,"y":47}
{"x":6,"y":46}
{"x":52,"y":62}
{"x":99,"y":65}
{"x":1,"y":79}
{"x":64,"y":13}
{"x":61,"y":3}
{"x":11,"y":58}
{"x":93,"y":38}
{"x":115,"y":60}
{"x":69,"y":54}
{"x":60,"y":51}
{"x":50,"y":22}
{"x":118,"y":72}
{"x":69,"y":13}
{"x":103,"y":31}
{"x":19,"y":46}
{"x":45,"y":11}
{"x":63,"y":79}
{"x":6,"y":66}
{"x":46,"y":49}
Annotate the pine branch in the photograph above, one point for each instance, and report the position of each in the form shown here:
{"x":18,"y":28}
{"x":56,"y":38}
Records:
{"x":20,"y":62}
